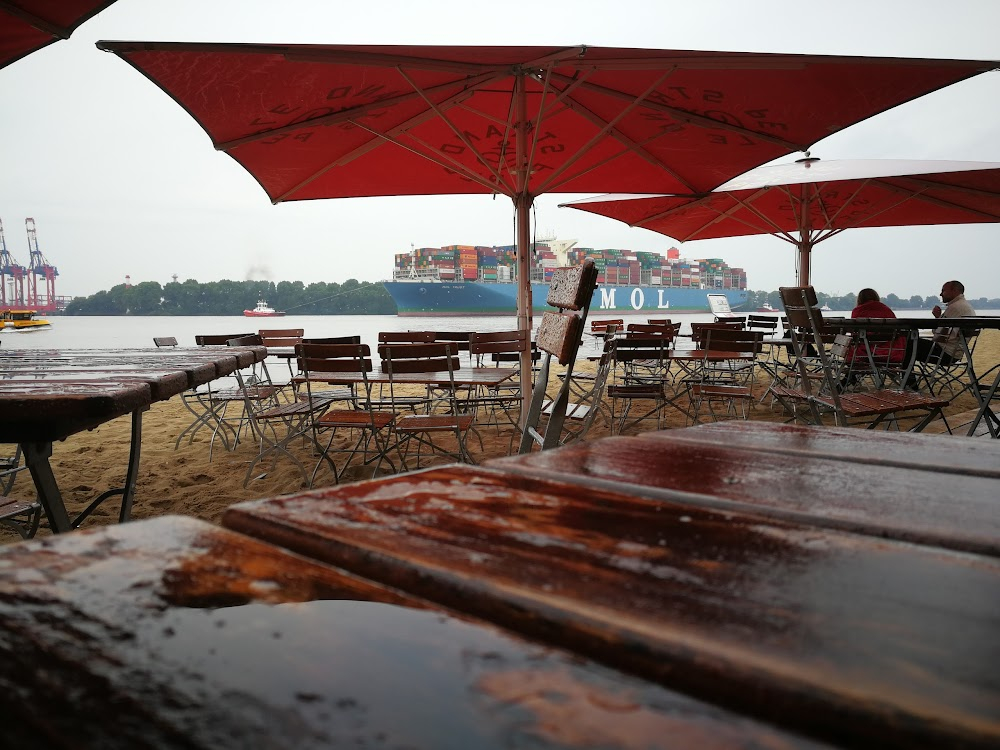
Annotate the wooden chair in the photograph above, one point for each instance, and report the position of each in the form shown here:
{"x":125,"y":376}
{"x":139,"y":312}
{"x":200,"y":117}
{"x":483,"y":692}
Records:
{"x":726,"y":381}
{"x":406,"y":337}
{"x":669,"y":330}
{"x":274,"y":424}
{"x":598,"y":328}
{"x":767,"y":324}
{"x":21,"y":516}
{"x":502,"y":347}
{"x":344,"y":393}
{"x":164,"y":341}
{"x":939,"y":376}
{"x":209,"y":403}
{"x":559,"y":336}
{"x":872,"y":408}
{"x":459,"y":340}
{"x":641,"y":374}
{"x":282,"y":338}
{"x":420,"y":429}
{"x":321,"y":365}
{"x":586,"y":399}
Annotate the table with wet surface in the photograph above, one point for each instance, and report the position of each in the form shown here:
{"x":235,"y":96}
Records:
{"x":174,"y":633}
{"x":834,"y":583}
{"x":46,"y":395}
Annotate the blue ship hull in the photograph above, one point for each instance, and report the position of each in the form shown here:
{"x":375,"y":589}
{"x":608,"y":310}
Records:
{"x":429,"y":298}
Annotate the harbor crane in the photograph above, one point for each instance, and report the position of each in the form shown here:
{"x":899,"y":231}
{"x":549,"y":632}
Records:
{"x":11,"y":276}
{"x":39,"y":269}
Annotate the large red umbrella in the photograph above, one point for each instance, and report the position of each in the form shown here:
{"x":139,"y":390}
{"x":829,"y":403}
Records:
{"x":29,"y":25}
{"x":811,"y":200}
{"x":340,"y":121}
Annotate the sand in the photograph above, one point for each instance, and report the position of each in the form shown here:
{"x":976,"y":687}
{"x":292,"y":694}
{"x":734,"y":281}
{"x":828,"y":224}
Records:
{"x":183,"y":480}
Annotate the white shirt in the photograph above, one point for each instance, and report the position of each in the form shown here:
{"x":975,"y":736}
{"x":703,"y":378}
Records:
{"x":947,"y":338}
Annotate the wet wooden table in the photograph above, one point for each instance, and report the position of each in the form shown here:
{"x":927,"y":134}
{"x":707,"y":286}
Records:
{"x":840,"y":584}
{"x":173,"y":633}
{"x":46,"y":395}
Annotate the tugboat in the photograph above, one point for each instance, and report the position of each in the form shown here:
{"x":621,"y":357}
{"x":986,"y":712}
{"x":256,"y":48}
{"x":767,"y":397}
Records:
{"x":766,"y":308}
{"x":263,"y":311}
{"x":22,"y":320}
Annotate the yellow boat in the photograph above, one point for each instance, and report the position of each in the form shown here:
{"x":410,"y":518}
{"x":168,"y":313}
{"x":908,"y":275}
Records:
{"x":22,"y":319}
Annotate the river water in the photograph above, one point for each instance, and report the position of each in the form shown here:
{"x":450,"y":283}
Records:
{"x":88,"y":332}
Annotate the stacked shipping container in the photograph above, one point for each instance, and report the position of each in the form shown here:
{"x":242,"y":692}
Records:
{"x":615,"y":267}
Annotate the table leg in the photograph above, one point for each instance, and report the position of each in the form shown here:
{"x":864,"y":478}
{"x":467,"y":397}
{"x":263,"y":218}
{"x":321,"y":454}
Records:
{"x":36,"y":458}
{"x":127,"y":491}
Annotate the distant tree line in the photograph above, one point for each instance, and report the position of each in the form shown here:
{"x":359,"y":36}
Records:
{"x":226,"y":297}
{"x":848,"y":301}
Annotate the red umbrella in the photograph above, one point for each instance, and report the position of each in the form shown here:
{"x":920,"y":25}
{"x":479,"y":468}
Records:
{"x":340,"y":121}
{"x":811,"y":200}
{"x":29,"y":25}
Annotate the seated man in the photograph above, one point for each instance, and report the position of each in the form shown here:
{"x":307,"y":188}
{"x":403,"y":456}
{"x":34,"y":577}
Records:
{"x":945,"y":346}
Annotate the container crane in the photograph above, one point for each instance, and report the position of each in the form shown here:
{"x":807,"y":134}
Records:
{"x":11,"y":277}
{"x":39,"y":267}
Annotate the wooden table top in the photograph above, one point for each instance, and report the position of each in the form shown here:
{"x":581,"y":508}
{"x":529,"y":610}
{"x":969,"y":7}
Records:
{"x":930,"y":489}
{"x":801,"y":614}
{"x":49,"y":394}
{"x":174,"y":633}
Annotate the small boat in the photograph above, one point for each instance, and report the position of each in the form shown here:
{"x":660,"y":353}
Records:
{"x":825,"y":308}
{"x":22,"y":319}
{"x":263,"y":311}
{"x":766,"y":307}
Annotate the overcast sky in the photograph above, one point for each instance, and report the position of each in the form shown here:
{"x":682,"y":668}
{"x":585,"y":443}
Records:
{"x":120,"y":180}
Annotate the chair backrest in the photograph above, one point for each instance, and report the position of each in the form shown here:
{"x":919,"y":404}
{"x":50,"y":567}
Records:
{"x":497,"y":342}
{"x":741,"y":319}
{"x":659,"y":321}
{"x":698,"y":329}
{"x":250,"y":339}
{"x":161,"y":341}
{"x":333,"y":340}
{"x":276,"y":337}
{"x":219,"y":339}
{"x":598,"y":326}
{"x":405,"y":337}
{"x":459,"y":338}
{"x":327,"y":359}
{"x":650,"y":349}
{"x":724,"y":340}
{"x":667,"y":330}
{"x":768,"y":323}
{"x":398,"y":359}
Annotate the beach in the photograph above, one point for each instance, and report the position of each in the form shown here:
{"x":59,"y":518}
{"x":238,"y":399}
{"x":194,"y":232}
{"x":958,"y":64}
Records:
{"x":184,"y":481}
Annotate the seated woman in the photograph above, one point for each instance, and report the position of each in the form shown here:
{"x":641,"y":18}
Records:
{"x":883,"y":353}
{"x":870,"y":306}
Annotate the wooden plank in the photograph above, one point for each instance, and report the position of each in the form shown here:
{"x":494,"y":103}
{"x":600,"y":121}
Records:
{"x":44,"y":411}
{"x":715,"y":468}
{"x":851,"y":637}
{"x":175,"y":633}
{"x":907,"y":450}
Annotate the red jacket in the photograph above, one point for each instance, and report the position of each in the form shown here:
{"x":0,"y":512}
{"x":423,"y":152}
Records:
{"x":893,"y":350}
{"x":874,"y":309}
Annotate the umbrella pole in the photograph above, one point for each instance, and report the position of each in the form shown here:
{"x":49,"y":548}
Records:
{"x":805,"y":255}
{"x":522,"y":208}
{"x":805,"y":238}
{"x":522,"y":204}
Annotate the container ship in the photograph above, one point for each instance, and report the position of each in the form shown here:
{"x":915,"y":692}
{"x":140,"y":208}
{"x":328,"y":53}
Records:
{"x":476,"y":280}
